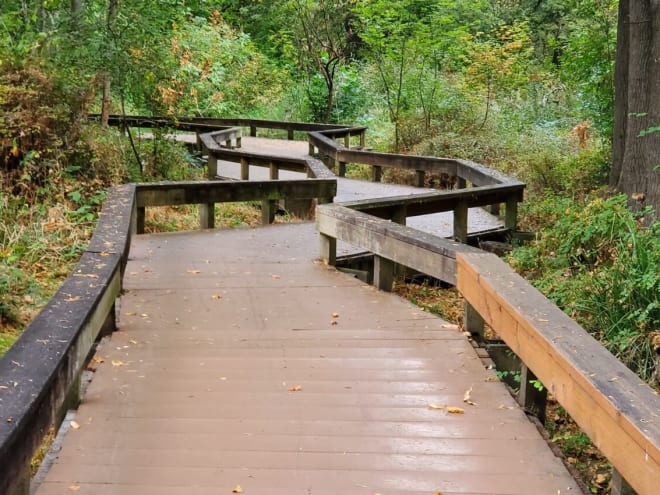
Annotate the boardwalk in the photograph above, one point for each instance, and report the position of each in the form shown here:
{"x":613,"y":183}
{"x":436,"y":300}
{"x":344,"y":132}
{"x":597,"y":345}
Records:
{"x":241,"y":361}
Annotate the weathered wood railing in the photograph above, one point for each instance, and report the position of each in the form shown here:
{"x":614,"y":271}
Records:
{"x":619,"y":412}
{"x":40,"y":374}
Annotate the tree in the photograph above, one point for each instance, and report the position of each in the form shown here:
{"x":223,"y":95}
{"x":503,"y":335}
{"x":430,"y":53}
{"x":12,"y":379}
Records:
{"x":636,"y":139}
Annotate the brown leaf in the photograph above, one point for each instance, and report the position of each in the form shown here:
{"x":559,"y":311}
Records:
{"x":335,"y":315}
{"x":216,"y":296}
{"x":276,"y":277}
{"x":194,"y":272}
{"x":237,"y":489}
{"x":73,"y":299}
{"x":333,"y":322}
{"x":117,"y":362}
{"x":492,"y":378}
{"x":295,"y":388}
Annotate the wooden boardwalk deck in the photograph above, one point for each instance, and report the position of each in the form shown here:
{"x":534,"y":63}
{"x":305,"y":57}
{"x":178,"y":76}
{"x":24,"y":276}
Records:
{"x":242,"y":361}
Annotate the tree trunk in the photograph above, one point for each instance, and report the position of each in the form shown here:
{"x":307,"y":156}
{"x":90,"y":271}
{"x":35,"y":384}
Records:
{"x":76,"y":13}
{"x":106,"y":77}
{"x":636,"y":149}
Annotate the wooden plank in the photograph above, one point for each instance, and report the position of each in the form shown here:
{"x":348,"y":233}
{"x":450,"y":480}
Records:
{"x":608,"y":401}
{"x":180,"y":193}
{"x":418,"y":250}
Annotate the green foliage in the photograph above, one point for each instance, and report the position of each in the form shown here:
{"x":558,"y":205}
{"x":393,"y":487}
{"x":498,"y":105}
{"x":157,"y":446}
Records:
{"x":599,"y":264}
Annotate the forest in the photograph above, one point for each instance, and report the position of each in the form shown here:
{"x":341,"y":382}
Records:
{"x":562,"y":94}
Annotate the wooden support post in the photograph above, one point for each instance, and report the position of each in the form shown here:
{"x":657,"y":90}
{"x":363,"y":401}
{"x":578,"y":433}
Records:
{"x":228,"y":143}
{"x":253,"y":130}
{"x":139,"y":221}
{"x":238,"y":141}
{"x":328,"y":249}
{"x":268,"y":208}
{"x":511,"y":213}
{"x":212,"y":167}
{"x":312,"y":149}
{"x":530,"y":397}
{"x":207,"y":216}
{"x":363,"y":139}
{"x":347,"y":141}
{"x":19,"y":484}
{"x":341,"y":169}
{"x":461,"y":222}
{"x":495,"y":209}
{"x":383,"y":273}
{"x":289,"y":134}
{"x":376,"y":173}
{"x":420,"y":175}
{"x":461,"y":183}
{"x":245,"y":169}
{"x":619,"y":485}
{"x":473,"y":322}
{"x":400,"y":215}
{"x":274,"y":171}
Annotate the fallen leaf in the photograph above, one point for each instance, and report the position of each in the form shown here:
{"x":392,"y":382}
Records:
{"x":276,"y":276}
{"x":295,"y":388}
{"x":133,"y":341}
{"x":216,"y":296}
{"x":73,"y":299}
{"x":3,"y":387}
{"x":86,"y":275}
{"x":75,"y":425}
{"x":28,"y":299}
{"x":613,"y":379}
{"x":98,"y":360}
{"x":74,"y":488}
{"x":194,"y":272}
{"x":502,"y":406}
{"x":466,"y":397}
{"x":131,"y":313}
{"x":104,"y":253}
{"x":601,"y":478}
{"x":335,"y":315}
{"x":436,"y":406}
{"x":116,"y":362}
{"x":333,"y":322}
{"x":492,"y":378}
{"x":237,"y":489}
{"x":455,"y":410}
{"x":542,"y":320}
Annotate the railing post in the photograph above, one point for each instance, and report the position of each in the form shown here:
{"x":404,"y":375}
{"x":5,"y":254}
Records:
{"x":347,"y":141}
{"x":363,"y":139}
{"x":289,"y":134}
{"x":511,"y":213}
{"x":461,"y":222}
{"x":139,"y":220}
{"x":461,"y":183}
{"x":530,"y":397}
{"x":619,"y":485}
{"x":253,"y":130}
{"x":207,"y":216}
{"x":328,"y":249}
{"x":228,"y":143}
{"x":312,"y":149}
{"x":274,"y":171}
{"x":238,"y":141}
{"x":376,"y":173}
{"x":211,"y":167}
{"x":420,"y":175}
{"x":473,"y":322}
{"x":341,"y":169}
{"x":267,"y":211}
{"x":495,"y":209}
{"x":245,"y":169}
{"x":383,"y":273}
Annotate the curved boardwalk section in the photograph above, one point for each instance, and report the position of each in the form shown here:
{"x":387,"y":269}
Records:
{"x":242,"y":364}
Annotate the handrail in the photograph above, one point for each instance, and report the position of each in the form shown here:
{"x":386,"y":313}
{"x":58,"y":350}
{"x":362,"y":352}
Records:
{"x":612,"y":405}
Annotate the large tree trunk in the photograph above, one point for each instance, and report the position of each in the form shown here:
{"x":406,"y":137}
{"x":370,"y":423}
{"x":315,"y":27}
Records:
{"x":636,"y":150}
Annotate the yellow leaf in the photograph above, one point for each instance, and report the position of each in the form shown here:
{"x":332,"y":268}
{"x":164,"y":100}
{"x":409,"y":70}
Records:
{"x":275,"y":276}
{"x":132,"y":341}
{"x":75,"y":425}
{"x":117,"y":362}
{"x":194,"y":272}
{"x":335,"y":315}
{"x":467,"y":399}
{"x":216,"y":296}
{"x":237,"y":489}
{"x":436,"y":406}
{"x":73,"y":299}
{"x":455,"y":410}
{"x":492,"y":378}
{"x":74,"y":488}
{"x":295,"y":388}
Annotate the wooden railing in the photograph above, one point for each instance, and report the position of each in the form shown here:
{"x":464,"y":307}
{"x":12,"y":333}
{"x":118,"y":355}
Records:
{"x":619,"y":412}
{"x":40,"y":374}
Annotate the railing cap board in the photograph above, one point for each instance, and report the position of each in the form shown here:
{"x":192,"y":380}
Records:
{"x":318,"y":168}
{"x":112,"y":232}
{"x":180,"y":193}
{"x":481,"y":175}
{"x":437,"y":201}
{"x":619,"y":412}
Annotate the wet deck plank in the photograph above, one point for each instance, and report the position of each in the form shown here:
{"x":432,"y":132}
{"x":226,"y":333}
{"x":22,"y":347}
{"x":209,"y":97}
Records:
{"x":193,"y":394}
